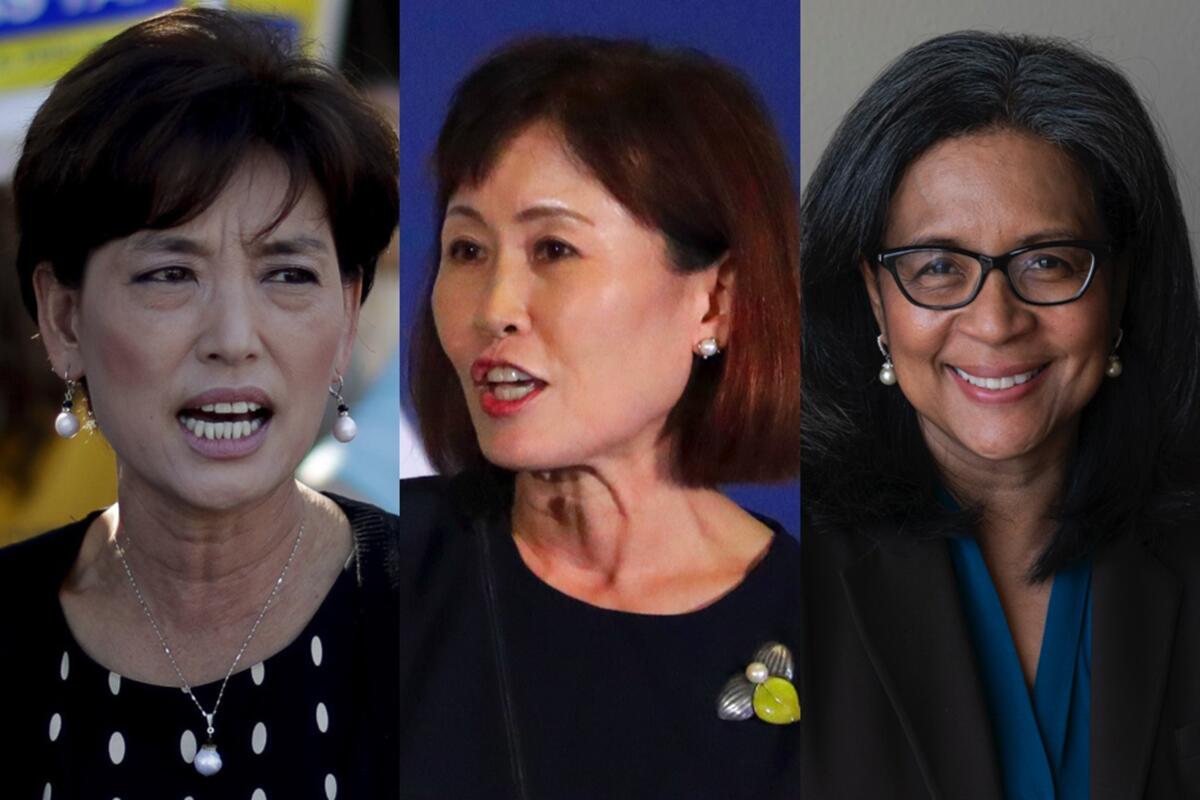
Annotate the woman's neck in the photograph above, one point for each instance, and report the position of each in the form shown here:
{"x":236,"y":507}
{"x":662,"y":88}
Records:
{"x":1016,"y":498}
{"x":630,"y":537}
{"x":197,"y":567}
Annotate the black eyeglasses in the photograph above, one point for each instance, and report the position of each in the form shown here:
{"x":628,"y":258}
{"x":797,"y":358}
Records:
{"x":1043,"y":274}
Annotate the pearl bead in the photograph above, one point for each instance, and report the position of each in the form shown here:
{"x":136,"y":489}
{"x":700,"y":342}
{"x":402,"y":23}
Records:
{"x":757,"y":672}
{"x":66,"y":424}
{"x":708,"y":348}
{"x":887,"y":375}
{"x":1114,"y":368}
{"x":208,"y":760}
{"x":345,"y":428}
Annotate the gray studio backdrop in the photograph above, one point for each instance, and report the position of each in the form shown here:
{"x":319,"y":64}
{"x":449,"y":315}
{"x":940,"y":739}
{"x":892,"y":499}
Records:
{"x":846,"y":43}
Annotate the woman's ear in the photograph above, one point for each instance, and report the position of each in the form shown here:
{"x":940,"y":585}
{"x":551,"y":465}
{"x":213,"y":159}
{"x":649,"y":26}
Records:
{"x":718,"y":288}
{"x":351,"y":303}
{"x":870,"y":278}
{"x":58,"y":322}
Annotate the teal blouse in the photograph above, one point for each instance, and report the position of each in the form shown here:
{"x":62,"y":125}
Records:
{"x":1043,"y":739}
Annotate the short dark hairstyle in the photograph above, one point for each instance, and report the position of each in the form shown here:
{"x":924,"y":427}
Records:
{"x":864,"y":459}
{"x":686,"y":146}
{"x":148,"y":128}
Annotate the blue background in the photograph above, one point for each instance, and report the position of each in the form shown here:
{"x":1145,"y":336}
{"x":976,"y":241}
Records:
{"x":441,"y":40}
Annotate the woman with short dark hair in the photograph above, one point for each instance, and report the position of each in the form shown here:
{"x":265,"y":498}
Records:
{"x":611,"y":331}
{"x":200,"y":209}
{"x":1002,"y":575}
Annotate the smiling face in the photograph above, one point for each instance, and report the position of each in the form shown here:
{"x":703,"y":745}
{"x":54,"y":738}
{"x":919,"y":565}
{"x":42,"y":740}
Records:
{"x":568,"y":328}
{"x":992,"y":193}
{"x":208,"y":348}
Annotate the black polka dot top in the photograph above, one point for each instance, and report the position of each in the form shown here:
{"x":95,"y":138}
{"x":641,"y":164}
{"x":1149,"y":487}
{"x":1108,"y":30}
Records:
{"x":298,"y":725}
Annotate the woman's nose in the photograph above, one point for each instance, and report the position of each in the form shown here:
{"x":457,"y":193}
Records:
{"x":503,"y":305}
{"x":997,"y":314}
{"x":230,"y":326}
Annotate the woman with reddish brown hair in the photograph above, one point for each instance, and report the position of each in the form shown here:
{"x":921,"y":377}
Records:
{"x":612,"y":331}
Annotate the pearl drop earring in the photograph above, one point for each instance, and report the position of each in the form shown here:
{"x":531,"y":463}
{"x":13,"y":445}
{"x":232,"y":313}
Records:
{"x":1115,"y":367}
{"x":887,"y":373}
{"x":66,"y":424}
{"x":345,"y":428}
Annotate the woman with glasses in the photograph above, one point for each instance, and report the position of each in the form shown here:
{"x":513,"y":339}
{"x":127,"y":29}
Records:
{"x":1000,"y":453}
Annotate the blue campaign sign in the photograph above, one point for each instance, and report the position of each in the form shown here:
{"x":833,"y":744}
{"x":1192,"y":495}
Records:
{"x":48,"y":16}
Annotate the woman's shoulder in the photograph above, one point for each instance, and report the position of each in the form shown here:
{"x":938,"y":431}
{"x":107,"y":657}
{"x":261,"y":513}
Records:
{"x":376,"y":539}
{"x":50,"y":553}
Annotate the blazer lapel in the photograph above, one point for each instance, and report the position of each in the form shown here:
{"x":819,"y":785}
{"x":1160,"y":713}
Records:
{"x":1135,"y":605}
{"x":904,"y":600}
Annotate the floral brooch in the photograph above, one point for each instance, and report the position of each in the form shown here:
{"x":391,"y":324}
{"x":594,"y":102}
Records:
{"x":764,"y":690}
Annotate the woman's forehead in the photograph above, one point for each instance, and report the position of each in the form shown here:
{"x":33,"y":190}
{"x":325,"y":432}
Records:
{"x":995,"y":184}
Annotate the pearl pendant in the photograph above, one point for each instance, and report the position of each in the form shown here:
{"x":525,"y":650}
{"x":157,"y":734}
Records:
{"x":345,"y":428}
{"x":66,"y":424}
{"x":208,"y":760}
{"x":887,"y":375}
{"x":1114,"y":368}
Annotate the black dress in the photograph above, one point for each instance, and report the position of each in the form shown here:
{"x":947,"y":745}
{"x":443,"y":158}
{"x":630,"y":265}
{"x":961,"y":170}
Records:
{"x":315,"y":720}
{"x":511,"y":689}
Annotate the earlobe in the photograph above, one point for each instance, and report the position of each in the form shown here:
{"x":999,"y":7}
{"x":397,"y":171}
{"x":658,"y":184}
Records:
{"x":58,"y":321}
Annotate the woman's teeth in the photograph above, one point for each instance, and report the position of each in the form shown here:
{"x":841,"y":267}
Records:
{"x":510,"y":383}
{"x":239,"y":407}
{"x":204,"y":429}
{"x":510,"y":392}
{"x":507,"y":375}
{"x":995,"y":384}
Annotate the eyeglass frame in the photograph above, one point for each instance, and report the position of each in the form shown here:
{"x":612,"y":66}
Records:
{"x":887,"y":260}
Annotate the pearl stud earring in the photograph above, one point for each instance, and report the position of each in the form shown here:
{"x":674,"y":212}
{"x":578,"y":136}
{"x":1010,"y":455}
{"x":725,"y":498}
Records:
{"x":887,"y":373}
{"x":345,"y":428}
{"x":707,"y":348}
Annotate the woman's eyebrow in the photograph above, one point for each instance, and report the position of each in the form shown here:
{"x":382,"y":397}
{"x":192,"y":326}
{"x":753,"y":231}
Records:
{"x":548,"y":210}
{"x":291,"y":246}
{"x":535,"y":212}
{"x":168,"y":243}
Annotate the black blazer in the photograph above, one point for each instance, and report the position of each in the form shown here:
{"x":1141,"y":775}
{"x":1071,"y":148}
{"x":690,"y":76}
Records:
{"x":895,"y":705}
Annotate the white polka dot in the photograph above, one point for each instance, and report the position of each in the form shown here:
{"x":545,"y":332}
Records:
{"x":330,"y":787}
{"x":116,"y":748}
{"x":46,"y":792}
{"x":258,"y":739}
{"x":256,"y":674}
{"x":187,"y":746}
{"x":322,"y":717}
{"x":259,"y":794}
{"x":55,"y":727}
{"x":64,"y":668}
{"x":316,"y":650}
{"x":114,"y":683}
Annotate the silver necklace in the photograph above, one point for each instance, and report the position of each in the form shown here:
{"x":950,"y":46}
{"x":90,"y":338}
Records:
{"x":208,"y":760}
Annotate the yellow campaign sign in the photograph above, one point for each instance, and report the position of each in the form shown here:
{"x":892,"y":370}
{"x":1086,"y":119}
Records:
{"x":41,"y":56}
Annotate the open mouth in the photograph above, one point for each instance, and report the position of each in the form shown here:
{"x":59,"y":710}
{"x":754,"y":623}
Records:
{"x":235,"y":420}
{"x":998,"y":383}
{"x":509,"y":384}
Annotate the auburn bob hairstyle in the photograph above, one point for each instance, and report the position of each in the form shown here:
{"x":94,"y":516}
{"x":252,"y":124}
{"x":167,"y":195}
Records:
{"x":147,"y":129}
{"x":686,"y":146}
